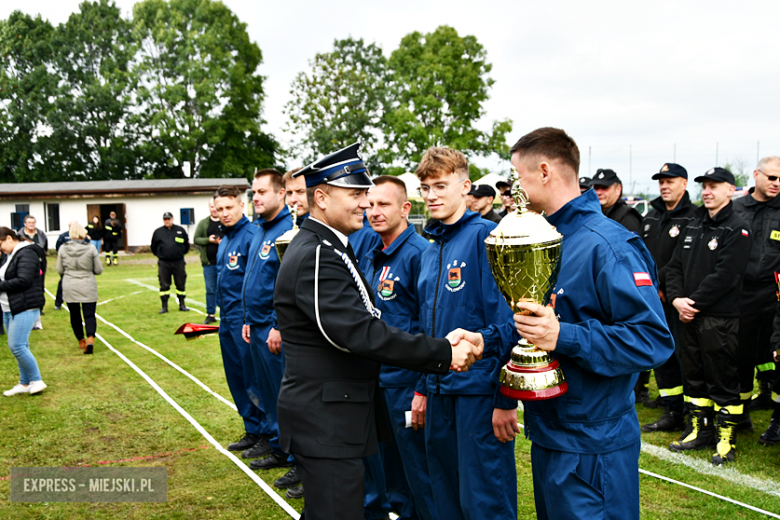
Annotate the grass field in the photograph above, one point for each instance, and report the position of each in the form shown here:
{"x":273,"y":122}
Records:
{"x":98,"y":411}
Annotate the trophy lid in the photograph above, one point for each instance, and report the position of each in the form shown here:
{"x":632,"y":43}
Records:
{"x":523,"y":227}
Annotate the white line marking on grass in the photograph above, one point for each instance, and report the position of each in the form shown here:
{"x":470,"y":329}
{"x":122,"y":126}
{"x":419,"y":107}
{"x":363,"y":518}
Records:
{"x":243,"y":467}
{"x":732,"y":475}
{"x":118,"y":297}
{"x":700,"y":466}
{"x":700,"y":490}
{"x":157,"y":289}
{"x":174,"y":365}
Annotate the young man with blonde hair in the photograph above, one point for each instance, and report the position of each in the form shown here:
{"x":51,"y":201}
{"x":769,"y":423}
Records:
{"x":469,"y":426}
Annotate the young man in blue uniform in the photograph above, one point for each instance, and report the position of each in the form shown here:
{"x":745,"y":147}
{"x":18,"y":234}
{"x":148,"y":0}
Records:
{"x":239,"y":370}
{"x":606,"y":326}
{"x":261,"y":330}
{"x":392,"y":269}
{"x":469,"y":426}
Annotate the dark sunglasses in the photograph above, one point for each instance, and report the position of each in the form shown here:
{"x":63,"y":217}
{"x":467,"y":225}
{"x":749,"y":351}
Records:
{"x":771,"y":178}
{"x":507,"y":193}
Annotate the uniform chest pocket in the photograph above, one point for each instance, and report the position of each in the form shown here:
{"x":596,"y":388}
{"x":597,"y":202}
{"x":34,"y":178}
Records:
{"x":773,"y":233}
{"x":346,"y":413}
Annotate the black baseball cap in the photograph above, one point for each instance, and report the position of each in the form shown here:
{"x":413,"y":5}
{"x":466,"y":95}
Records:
{"x":167,"y":214}
{"x":604,"y":177}
{"x":482,"y":190}
{"x":584,"y":183}
{"x":501,"y":185}
{"x":717,"y":175}
{"x":671,"y":170}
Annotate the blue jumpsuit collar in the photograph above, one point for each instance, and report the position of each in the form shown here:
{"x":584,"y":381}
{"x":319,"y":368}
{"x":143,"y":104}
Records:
{"x":270,"y":223}
{"x":232,"y":230}
{"x":572,"y":215}
{"x":442,"y":232}
{"x":379,"y":249}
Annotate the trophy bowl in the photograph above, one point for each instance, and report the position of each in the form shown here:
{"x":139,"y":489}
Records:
{"x":284,"y":240}
{"x":524,"y":252}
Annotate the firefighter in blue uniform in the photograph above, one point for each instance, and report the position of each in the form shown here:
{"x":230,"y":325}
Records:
{"x":261,"y":329}
{"x":606,"y":326}
{"x":392,"y":269}
{"x":232,"y":258}
{"x":469,"y":426}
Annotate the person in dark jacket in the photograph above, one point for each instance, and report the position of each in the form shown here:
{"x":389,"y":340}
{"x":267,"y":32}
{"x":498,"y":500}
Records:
{"x":604,"y":326}
{"x":169,"y":244}
{"x":662,"y":227}
{"x":95,"y":233}
{"x":704,"y":281}
{"x":207,"y":237}
{"x":772,"y":434}
{"x":63,"y":239}
{"x":482,"y":202}
{"x":334,"y":341}
{"x":21,"y":297}
{"x":112,"y":232}
{"x":760,"y":209}
{"x":609,"y":189}
{"x":39,"y":238}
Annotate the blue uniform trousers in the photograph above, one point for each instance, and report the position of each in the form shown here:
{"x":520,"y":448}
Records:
{"x":473,"y":475}
{"x":572,"y":485}
{"x":375,"y":502}
{"x":240,"y":375}
{"x":269,"y":369}
{"x":405,"y":463}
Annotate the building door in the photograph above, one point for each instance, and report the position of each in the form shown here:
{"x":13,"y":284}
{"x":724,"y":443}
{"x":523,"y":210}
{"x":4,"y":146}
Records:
{"x":104,"y":212}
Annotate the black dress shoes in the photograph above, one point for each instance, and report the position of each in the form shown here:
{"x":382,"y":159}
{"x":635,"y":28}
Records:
{"x":290,"y":479}
{"x":274,"y":460}
{"x":261,"y":447}
{"x":294,"y":492}
{"x":247,"y":441}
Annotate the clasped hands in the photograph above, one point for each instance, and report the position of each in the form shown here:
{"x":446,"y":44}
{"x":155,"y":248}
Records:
{"x":467,"y":348}
{"x":685,"y":306}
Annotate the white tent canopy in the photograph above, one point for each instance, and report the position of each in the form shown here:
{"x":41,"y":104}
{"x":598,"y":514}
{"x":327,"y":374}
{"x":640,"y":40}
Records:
{"x":412,"y":184}
{"x":491,"y":179}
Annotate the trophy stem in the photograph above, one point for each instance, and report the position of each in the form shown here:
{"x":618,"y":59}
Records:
{"x":532,"y":374}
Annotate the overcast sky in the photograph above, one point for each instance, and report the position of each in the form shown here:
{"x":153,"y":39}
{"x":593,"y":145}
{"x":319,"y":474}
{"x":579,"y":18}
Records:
{"x":636,"y":85}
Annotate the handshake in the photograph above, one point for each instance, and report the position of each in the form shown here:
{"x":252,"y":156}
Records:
{"x":466,"y":349}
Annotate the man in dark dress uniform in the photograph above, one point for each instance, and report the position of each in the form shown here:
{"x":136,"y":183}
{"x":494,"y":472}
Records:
{"x":609,"y":189}
{"x":663,"y":225}
{"x":330,"y":411}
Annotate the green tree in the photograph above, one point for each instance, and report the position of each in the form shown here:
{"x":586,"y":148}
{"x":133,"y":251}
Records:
{"x":199,"y":94}
{"x":92,"y":135}
{"x":440,"y":82}
{"x":26,"y":88}
{"x":738,"y":167}
{"x":340,"y":101}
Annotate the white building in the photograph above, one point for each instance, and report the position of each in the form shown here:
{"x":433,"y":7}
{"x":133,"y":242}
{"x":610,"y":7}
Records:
{"x":139,"y":205}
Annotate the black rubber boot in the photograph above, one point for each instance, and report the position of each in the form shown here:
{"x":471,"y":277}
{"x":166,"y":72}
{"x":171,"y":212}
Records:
{"x":164,"y":300}
{"x":182,"y":307}
{"x":670,"y":421}
{"x":702,"y":432}
{"x":641,"y":390}
{"x":763,"y":399}
{"x":772,"y":434}
{"x":726,"y":450}
{"x":744,"y":422}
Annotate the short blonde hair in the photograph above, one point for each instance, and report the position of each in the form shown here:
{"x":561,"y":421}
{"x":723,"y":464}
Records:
{"x":441,"y":160}
{"x":77,"y":231}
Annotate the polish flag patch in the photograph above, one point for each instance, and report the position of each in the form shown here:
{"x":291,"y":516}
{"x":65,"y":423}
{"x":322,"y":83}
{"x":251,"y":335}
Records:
{"x":642,"y":279}
{"x":745,"y":233}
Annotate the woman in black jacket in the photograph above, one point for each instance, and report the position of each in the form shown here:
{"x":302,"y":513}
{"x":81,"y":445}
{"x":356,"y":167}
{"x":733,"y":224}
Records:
{"x":21,"y":297}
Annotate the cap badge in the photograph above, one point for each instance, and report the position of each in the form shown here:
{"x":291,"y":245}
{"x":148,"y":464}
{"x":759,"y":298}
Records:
{"x":601,"y":175}
{"x":710,"y":171}
{"x":713,"y":244}
{"x":665,"y":168}
{"x":676,"y":231}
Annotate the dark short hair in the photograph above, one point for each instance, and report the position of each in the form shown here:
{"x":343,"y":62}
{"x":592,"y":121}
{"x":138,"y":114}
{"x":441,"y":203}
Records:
{"x":325,"y":188}
{"x":287,"y":177}
{"x":391,"y":179}
{"x":5,"y":232}
{"x":552,"y":144}
{"x":276,"y":177}
{"x":28,"y":217}
{"x":228,"y":191}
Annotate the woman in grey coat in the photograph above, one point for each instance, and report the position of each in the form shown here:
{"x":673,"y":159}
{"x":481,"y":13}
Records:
{"x":78,"y":263}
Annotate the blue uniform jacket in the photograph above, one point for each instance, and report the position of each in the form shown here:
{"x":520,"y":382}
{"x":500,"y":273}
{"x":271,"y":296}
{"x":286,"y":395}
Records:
{"x":231,"y":264}
{"x":612,"y":327}
{"x":459,"y":291}
{"x":257,"y":293}
{"x":362,"y":241}
{"x":393,"y":275}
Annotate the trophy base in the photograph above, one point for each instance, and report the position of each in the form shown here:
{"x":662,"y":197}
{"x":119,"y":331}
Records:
{"x":532,"y":375}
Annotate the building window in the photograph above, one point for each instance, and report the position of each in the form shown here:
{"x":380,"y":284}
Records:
{"x":52,"y":217}
{"x":187,"y":216}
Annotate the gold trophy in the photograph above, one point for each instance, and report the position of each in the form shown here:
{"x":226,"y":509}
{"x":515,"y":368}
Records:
{"x":524,"y":252}
{"x":284,"y":240}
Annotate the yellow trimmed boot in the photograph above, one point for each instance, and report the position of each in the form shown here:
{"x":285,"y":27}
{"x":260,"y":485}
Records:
{"x":726,"y":450}
{"x":702,"y":431}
